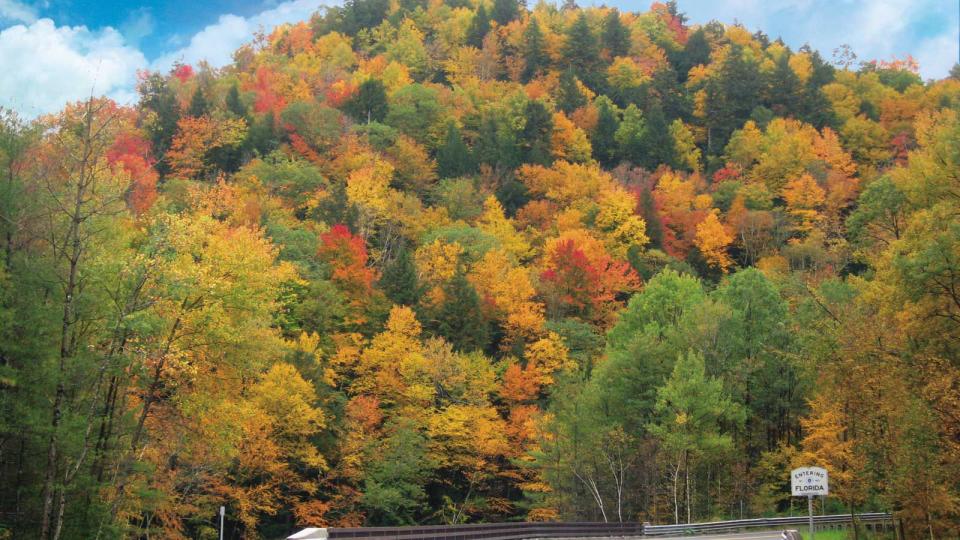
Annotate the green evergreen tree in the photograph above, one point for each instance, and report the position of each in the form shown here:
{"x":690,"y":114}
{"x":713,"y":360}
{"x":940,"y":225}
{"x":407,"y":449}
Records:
{"x":393,"y":488}
{"x":198,"y":104}
{"x":534,"y":56}
{"x":513,"y":195}
{"x":616,"y":36}
{"x":263,"y":136}
{"x":581,"y":51}
{"x":234,"y":103}
{"x":695,"y":52}
{"x":658,"y":145}
{"x":782,"y":89}
{"x":399,"y":279}
{"x":157,"y":96}
{"x":355,"y":15}
{"x":505,"y":11}
{"x":569,"y":96}
{"x":731,"y":98}
{"x":695,"y":420}
{"x":648,"y":210}
{"x":479,"y":26}
{"x":496,"y":145}
{"x":459,"y":319}
{"x":537,"y":132}
{"x":631,"y":136}
{"x":669,"y":95}
{"x":814,"y":106}
{"x":369,"y":104}
{"x":604,"y":139}
{"x":453,"y":156}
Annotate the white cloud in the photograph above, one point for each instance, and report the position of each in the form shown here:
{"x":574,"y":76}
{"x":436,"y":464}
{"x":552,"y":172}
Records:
{"x":45,"y":66}
{"x":217,"y":42}
{"x":938,"y":54}
{"x":138,"y":25}
{"x":12,"y":10}
{"x":875,"y":29}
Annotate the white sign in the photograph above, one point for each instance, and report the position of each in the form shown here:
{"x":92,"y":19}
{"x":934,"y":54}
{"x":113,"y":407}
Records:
{"x":807,"y":481}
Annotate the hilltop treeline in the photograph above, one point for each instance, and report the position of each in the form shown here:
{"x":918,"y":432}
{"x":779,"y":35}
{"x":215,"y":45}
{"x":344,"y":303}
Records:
{"x":463,"y":261}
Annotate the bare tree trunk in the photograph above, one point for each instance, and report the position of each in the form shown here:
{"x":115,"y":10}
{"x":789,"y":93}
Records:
{"x":686,"y":473}
{"x":80,"y":167}
{"x":591,"y":486}
{"x":853,"y":521}
{"x":618,"y":472}
{"x":676,"y":502}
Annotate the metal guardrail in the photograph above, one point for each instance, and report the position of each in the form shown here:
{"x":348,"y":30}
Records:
{"x":761,"y":523}
{"x":479,"y":531}
{"x":522,"y":531}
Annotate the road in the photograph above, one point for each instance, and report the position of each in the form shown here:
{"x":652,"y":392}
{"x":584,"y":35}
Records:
{"x":760,"y":535}
{"x":764,"y":535}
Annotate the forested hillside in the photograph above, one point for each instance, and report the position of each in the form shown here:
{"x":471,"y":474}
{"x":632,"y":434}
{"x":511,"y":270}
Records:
{"x":447,"y":261}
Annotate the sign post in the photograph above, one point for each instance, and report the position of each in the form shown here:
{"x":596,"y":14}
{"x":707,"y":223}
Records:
{"x":223,"y":512}
{"x":809,"y":481}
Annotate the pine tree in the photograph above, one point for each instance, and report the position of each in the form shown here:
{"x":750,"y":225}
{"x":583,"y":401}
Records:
{"x":731,"y":97}
{"x":496,"y":146}
{"x":234,"y":103}
{"x":658,"y":147}
{"x":569,"y":96}
{"x":505,"y":11}
{"x":157,"y":96}
{"x":695,"y":53}
{"x":478,"y":28}
{"x":782,"y":92}
{"x":198,"y":104}
{"x":534,"y":56}
{"x":648,"y":210}
{"x":355,"y":15}
{"x":537,"y":132}
{"x":453,"y":157}
{"x":263,"y":138}
{"x":459,"y":319}
{"x":581,"y":51}
{"x":616,"y":36}
{"x":399,"y":279}
{"x":814,"y":106}
{"x":631,"y":136}
{"x":604,"y":134}
{"x":369,"y":104}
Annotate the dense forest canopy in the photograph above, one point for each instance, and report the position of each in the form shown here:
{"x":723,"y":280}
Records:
{"x":449,"y":261}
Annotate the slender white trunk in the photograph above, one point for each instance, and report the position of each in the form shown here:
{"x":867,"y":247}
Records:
{"x":591,"y":486}
{"x":676,"y":502}
{"x":686,"y":481}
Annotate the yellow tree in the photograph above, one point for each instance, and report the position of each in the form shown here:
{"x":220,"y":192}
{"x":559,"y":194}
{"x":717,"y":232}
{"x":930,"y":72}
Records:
{"x":213,"y":296}
{"x":829,"y":441}
{"x":804,"y":197}
{"x":197,"y":137}
{"x":713,"y":240}
{"x":510,"y":289}
{"x":494,"y":222}
{"x":380,"y":369}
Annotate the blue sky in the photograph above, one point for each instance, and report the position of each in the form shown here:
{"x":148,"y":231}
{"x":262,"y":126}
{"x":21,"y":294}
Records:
{"x":54,"y":51}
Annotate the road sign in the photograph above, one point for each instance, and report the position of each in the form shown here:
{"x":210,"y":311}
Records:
{"x":809,"y":481}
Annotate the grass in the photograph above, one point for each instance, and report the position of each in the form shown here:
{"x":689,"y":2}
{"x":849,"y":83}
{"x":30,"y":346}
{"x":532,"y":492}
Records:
{"x":825,"y":535}
{"x":843,"y":535}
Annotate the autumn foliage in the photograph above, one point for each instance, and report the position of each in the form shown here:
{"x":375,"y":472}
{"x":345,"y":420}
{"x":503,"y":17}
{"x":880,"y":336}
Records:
{"x":460,"y":262}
